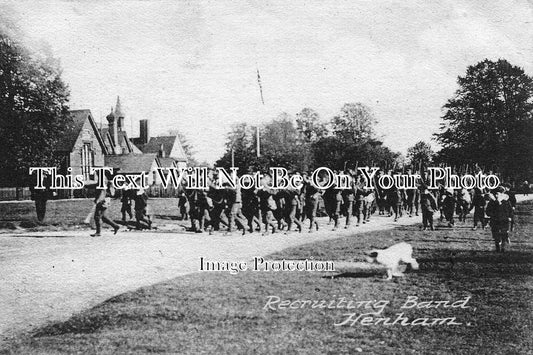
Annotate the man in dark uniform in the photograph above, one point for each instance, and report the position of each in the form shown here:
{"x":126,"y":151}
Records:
{"x":41,"y":196}
{"x":479,"y":204}
{"x":250,"y":209}
{"x":448,"y":206}
{"x":428,"y":203}
{"x":141,"y":212}
{"x":267,"y":205}
{"x":359,"y":200}
{"x":348,"y":197}
{"x":234,"y":200}
{"x":413,"y":197}
{"x":336,"y":207}
{"x":103,"y":201}
{"x":125,"y":199}
{"x":183,"y":205}
{"x":512,"y":201}
{"x":500,"y":211}
{"x":311,"y":204}
{"x":293,"y":207}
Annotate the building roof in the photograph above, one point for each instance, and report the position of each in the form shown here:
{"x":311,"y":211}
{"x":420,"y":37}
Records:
{"x":123,"y":141}
{"x":138,"y":141}
{"x":167,"y":143}
{"x":131,"y":163}
{"x":67,"y":140}
{"x":166,"y":162}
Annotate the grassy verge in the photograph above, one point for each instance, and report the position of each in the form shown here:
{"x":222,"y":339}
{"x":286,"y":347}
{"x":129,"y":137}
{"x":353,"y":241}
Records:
{"x":222,"y":313}
{"x":70,"y":214}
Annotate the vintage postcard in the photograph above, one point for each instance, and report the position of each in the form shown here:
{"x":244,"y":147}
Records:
{"x":266,"y":177}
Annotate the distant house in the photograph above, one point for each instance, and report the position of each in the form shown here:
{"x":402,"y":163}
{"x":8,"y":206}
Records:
{"x":134,"y":164}
{"x":84,"y":146}
{"x":168,"y":148}
{"x":81,"y":147}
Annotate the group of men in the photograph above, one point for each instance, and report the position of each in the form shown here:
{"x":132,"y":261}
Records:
{"x":263,"y":209}
{"x":134,"y":203}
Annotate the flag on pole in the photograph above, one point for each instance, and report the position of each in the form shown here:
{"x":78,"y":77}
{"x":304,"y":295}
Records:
{"x":263,"y":101}
{"x":260,"y":86}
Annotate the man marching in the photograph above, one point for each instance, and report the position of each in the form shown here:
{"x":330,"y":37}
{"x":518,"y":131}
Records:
{"x":102,"y":202}
{"x":500,"y":212}
{"x":429,"y":206}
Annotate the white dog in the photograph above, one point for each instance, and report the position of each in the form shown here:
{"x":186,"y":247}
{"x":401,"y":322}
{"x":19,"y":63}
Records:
{"x":391,"y":258}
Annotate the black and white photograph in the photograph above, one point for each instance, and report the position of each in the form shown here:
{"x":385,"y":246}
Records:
{"x":266,"y":177}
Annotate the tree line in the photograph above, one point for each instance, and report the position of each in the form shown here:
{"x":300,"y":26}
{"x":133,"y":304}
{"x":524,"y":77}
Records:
{"x":487,"y":125}
{"x":305,"y":142}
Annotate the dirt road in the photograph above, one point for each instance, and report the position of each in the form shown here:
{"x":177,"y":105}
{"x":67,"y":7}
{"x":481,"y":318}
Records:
{"x":48,"y":276}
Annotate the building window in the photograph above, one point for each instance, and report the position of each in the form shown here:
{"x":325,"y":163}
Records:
{"x":87,"y":160}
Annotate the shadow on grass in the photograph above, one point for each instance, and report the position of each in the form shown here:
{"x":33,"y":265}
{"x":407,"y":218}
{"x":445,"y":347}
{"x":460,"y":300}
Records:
{"x":356,"y":275}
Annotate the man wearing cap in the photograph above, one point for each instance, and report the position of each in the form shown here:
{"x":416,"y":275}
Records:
{"x":141,"y":212}
{"x":512,"y":200}
{"x":102,"y":202}
{"x":428,"y":203}
{"x":500,"y":211}
{"x":448,"y":206}
{"x":125,"y":200}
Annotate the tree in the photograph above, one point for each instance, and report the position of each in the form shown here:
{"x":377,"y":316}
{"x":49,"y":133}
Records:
{"x":280,"y":146}
{"x":309,"y":125}
{"x":310,"y":129}
{"x":353,"y":143}
{"x":489,"y":120}
{"x":241,"y":144}
{"x":332,"y":152}
{"x":420,"y":154}
{"x":308,"y":144}
{"x":354,"y":124}
{"x":33,"y":110}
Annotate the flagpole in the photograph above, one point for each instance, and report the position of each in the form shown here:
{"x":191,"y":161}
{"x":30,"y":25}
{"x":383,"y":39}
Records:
{"x":232,"y":157}
{"x":257,"y":138}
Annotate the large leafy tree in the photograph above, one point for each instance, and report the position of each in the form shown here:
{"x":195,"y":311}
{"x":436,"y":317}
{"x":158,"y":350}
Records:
{"x":420,"y":155}
{"x":353,"y":142}
{"x":309,"y":125}
{"x":33,"y":110}
{"x":280,"y":143}
{"x":310,"y":130}
{"x":332,"y":152}
{"x":240,"y":144}
{"x":354,"y":124}
{"x":308,"y":144}
{"x":489,"y":120}
{"x":280,"y":146}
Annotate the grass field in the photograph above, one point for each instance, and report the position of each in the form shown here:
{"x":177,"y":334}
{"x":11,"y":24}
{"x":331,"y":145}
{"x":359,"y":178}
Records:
{"x":222,"y":313}
{"x":68,"y":214}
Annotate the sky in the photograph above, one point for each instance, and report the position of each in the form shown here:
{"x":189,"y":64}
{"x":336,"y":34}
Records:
{"x":191,"y":65}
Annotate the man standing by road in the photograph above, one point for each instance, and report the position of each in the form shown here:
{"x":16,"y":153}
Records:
{"x":41,"y":196}
{"x":500,"y":212}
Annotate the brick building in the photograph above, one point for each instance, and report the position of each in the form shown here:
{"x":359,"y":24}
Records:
{"x":84,"y":146}
{"x":81,"y":147}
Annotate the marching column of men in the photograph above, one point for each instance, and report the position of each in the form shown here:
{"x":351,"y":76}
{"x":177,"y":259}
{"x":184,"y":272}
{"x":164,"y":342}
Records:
{"x":268,"y":210}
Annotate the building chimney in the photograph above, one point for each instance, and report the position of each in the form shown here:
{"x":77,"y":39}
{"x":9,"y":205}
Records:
{"x":143,"y":131}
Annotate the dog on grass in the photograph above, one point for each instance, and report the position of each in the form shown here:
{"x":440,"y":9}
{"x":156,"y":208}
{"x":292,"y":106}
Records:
{"x":392,"y":257}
